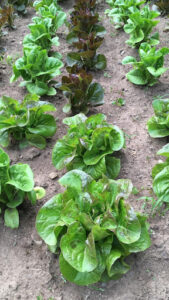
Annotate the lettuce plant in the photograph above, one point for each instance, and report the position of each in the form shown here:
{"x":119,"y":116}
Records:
{"x":80,"y":91}
{"x":17,"y":184}
{"x":94,"y":228}
{"x":149,"y":68}
{"x":121,"y":9}
{"x":37,"y":69}
{"x":26,"y":122}
{"x":158,"y":125}
{"x":43,"y":3}
{"x":20,"y":5}
{"x":139,"y":26}
{"x":87,"y":57}
{"x":86,"y":34}
{"x":55,"y":14}
{"x":40,"y":35}
{"x":84,"y":20}
{"x":89,"y":145}
{"x":160,"y":175}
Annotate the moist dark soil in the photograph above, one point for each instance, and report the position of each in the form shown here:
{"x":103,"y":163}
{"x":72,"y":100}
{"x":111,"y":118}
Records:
{"x":27,"y":268}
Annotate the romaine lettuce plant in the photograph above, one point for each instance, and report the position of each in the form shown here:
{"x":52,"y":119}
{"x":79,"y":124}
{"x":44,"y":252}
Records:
{"x":94,"y":228}
{"x":40,"y":35}
{"x":17,"y":184}
{"x":160,"y":174}
{"x":26,"y":122}
{"x":55,"y":14}
{"x":43,"y":3}
{"x":150,"y":67}
{"x":38,"y":71}
{"x":158,"y":125}
{"x":80,"y":91}
{"x":89,"y":145}
{"x":140,"y":25}
{"x":121,"y":9}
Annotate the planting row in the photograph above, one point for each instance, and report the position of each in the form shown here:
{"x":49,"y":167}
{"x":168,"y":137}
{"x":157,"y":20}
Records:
{"x":138,"y":23}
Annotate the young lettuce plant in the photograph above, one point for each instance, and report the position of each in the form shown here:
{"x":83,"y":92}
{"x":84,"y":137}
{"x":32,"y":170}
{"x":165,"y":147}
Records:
{"x":80,"y":91}
{"x":150,"y":67}
{"x":158,"y":125}
{"x":88,"y":146}
{"x":86,"y":34}
{"x":121,"y":9}
{"x":87,"y":57}
{"x":40,"y":35}
{"x":38,"y":71}
{"x":93,"y":227}
{"x":84,"y":20}
{"x":17,"y":184}
{"x":140,"y":25}
{"x":20,"y":5}
{"x":55,"y":14}
{"x":160,"y":175}
{"x":26,"y":122}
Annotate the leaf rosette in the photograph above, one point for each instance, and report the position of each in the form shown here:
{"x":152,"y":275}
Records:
{"x":93,"y":227}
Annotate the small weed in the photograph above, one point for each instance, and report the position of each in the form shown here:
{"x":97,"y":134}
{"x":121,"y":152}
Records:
{"x":106,"y":75}
{"x":119,"y":102}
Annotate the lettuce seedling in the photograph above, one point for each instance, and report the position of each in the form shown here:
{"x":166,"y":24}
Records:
{"x":158,"y":125}
{"x":160,"y":175}
{"x":94,"y":228}
{"x":17,"y":184}
{"x":140,"y":25}
{"x":37,"y":69}
{"x":89,"y":145}
{"x":80,"y":91}
{"x":26,"y":122}
{"x":121,"y":9}
{"x":150,"y":67}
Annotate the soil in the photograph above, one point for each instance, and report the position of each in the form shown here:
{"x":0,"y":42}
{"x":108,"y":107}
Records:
{"x":27,"y":268}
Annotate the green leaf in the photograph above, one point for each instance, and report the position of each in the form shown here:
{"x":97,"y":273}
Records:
{"x":101,"y":62}
{"x":46,"y":126}
{"x":40,"y":192}
{"x":62,"y":154}
{"x":81,"y":278}
{"x":21,"y":177}
{"x":157,"y":130}
{"x":129,"y":228}
{"x":112,"y":166}
{"x":128,"y":60}
{"x":115,"y":265}
{"x":36,"y":140}
{"x":78,"y":249}
{"x":137,"y":77}
{"x":144,"y":241}
{"x":95,"y":94}
{"x":75,"y":179}
{"x":47,"y":218}
{"x":4,"y":159}
{"x":164,"y":151}
{"x":11,"y":218}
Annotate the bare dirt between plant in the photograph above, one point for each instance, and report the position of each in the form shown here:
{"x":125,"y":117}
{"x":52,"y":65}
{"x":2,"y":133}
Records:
{"x":27,"y":268}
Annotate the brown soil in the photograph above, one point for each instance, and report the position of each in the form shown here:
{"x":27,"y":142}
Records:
{"x":27,"y":268}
